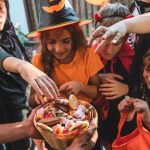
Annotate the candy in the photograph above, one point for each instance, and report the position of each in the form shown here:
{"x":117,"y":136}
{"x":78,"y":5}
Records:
{"x":62,"y":101}
{"x":73,"y":102}
{"x":65,"y":116}
{"x":50,"y":121}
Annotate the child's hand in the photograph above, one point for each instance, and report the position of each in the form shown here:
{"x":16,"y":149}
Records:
{"x":113,"y":89}
{"x":127,"y":105}
{"x":40,"y":100}
{"x":142,"y":106}
{"x":132,"y":105}
{"x":72,"y":87}
{"x":105,"y":77}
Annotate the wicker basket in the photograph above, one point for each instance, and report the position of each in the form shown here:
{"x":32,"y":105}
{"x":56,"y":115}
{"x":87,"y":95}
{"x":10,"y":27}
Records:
{"x":62,"y":141}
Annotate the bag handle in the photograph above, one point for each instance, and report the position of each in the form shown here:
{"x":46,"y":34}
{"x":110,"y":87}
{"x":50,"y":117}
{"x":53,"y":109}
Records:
{"x":139,"y":122}
{"x":123,"y":119}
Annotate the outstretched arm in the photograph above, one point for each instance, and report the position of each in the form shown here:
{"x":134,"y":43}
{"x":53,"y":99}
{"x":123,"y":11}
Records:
{"x":20,"y":130}
{"x":139,"y":24}
{"x":41,"y":83}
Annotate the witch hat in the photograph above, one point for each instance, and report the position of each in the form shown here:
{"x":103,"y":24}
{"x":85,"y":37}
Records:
{"x":54,"y":14}
{"x":97,"y":2}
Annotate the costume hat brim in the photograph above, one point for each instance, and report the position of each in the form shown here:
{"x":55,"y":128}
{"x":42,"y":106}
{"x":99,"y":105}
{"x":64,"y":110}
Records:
{"x":37,"y":32}
{"x":55,"y":14}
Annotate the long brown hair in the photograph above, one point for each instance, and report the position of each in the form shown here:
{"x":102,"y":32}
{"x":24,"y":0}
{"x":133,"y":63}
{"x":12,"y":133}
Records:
{"x":111,"y":14}
{"x":47,"y":59}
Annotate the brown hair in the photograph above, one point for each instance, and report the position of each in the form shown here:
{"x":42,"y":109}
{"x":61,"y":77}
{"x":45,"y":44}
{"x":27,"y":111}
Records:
{"x":47,"y":58}
{"x":111,"y":14}
{"x":146,"y":57}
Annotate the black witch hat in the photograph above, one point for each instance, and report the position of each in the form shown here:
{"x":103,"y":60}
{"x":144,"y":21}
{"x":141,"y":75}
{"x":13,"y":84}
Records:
{"x":54,"y":14}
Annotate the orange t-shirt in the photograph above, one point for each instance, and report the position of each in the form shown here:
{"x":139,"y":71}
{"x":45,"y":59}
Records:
{"x":81,"y":68}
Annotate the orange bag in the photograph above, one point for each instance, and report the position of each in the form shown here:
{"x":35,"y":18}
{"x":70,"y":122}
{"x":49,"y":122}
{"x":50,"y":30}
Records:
{"x":139,"y":139}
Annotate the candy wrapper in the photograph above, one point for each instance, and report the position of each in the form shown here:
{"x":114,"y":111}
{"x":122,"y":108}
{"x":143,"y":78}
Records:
{"x":60,"y":121}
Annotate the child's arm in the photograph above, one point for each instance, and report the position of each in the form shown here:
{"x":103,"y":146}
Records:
{"x":138,"y":24}
{"x":91,"y":90}
{"x":41,"y":83}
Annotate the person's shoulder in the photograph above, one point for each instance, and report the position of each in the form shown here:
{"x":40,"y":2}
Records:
{"x":86,"y":50}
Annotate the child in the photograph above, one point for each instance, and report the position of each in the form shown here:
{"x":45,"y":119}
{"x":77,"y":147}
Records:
{"x":65,"y":56}
{"x":132,"y":105}
{"x":117,"y":61}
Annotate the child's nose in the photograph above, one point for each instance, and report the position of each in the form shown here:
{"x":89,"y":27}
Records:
{"x":58,"y":47}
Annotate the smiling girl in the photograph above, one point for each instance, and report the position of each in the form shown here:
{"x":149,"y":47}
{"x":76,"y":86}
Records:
{"x":66,"y":58}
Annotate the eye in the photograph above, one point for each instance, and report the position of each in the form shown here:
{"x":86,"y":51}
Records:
{"x":2,"y":8}
{"x":147,"y":68}
{"x":66,"y":41}
{"x":51,"y":41}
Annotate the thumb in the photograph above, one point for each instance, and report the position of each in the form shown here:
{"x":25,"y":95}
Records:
{"x":87,"y":135}
{"x":63,"y":87}
{"x":93,"y":123}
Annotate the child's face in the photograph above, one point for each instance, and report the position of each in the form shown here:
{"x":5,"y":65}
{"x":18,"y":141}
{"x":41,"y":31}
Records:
{"x":110,"y":50}
{"x":3,"y":14}
{"x":59,"y":43}
{"x":146,"y":72}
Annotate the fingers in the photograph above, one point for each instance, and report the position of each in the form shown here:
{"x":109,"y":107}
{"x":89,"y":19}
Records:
{"x":101,"y":30}
{"x":37,"y":100}
{"x":40,"y":99}
{"x":117,"y":76}
{"x":126,"y":105}
{"x":93,"y":123}
{"x":112,"y":97}
{"x":36,"y":88}
{"x":44,"y":88}
{"x":140,"y":105}
{"x":101,"y":46}
{"x":117,"y":38}
{"x":109,"y":33}
{"x":55,"y":90}
{"x":86,"y":136}
{"x":63,"y":88}
{"x":97,"y":34}
{"x":106,"y":85}
{"x":43,"y":85}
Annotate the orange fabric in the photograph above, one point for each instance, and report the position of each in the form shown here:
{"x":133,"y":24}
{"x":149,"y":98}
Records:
{"x":81,"y":68}
{"x":139,"y":139}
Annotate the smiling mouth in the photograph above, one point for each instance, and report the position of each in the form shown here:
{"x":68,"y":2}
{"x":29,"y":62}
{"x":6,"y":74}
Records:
{"x":60,"y":54}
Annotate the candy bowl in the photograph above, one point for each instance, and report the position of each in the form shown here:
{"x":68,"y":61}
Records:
{"x":60,"y":121}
